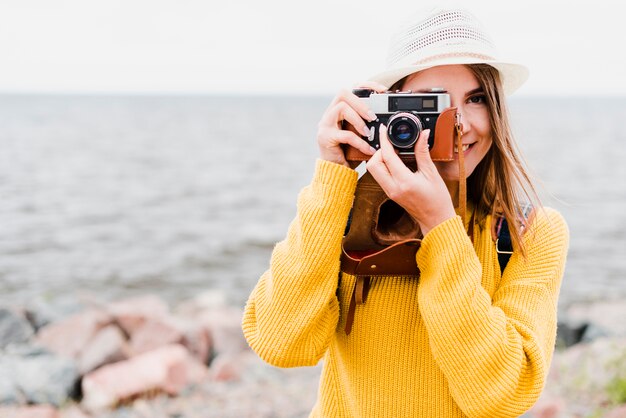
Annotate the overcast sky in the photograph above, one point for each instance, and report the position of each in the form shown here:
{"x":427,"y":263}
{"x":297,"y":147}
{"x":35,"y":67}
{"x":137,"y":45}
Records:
{"x":287,"y":47}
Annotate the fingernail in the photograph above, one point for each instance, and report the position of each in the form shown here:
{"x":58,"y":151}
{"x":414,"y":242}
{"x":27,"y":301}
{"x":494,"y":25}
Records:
{"x":371,"y":115}
{"x":373,"y":150}
{"x":366,"y":131}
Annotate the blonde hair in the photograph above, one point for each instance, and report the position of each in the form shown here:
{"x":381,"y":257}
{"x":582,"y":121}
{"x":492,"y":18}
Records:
{"x":500,"y":185}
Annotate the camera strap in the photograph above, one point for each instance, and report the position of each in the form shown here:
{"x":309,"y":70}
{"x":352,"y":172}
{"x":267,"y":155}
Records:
{"x":381,"y":239}
{"x":458,"y":126}
{"x":502,"y":235}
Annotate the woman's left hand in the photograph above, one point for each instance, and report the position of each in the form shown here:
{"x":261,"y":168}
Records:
{"x":423,"y":194}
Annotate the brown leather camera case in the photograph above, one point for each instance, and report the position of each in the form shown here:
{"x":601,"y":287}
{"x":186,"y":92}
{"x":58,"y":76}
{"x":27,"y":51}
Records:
{"x":443,"y":150}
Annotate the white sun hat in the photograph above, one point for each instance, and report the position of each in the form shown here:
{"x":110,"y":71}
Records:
{"x":446,"y":37}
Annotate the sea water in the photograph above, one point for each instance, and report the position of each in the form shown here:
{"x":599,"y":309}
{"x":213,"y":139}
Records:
{"x":175,"y":195}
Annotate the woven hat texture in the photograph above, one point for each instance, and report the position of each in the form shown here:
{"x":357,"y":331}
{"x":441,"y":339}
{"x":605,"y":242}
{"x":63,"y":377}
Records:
{"x":446,"y":37}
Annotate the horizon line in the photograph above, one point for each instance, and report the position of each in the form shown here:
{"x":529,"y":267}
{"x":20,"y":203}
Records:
{"x":257,"y":94}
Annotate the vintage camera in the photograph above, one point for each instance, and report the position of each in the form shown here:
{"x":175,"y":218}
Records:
{"x":405,"y":114}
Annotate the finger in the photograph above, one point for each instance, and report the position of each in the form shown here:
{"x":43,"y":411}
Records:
{"x":378,"y":169}
{"x":329,"y":137}
{"x":343,"y":112}
{"x":332,"y":115}
{"x":394,"y":164}
{"x":356,"y":103}
{"x":374,"y":85}
{"x":352,"y":139}
{"x":422,"y":152}
{"x":421,"y":145}
{"x":360,"y":105}
{"x":350,"y":115}
{"x":340,"y":97}
{"x":377,"y":160}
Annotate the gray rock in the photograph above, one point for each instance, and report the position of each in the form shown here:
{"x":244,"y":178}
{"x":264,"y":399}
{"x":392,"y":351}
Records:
{"x":39,"y":315}
{"x":26,"y":350}
{"x":9,"y":392}
{"x":13,"y":328}
{"x":42,"y":312}
{"x":609,"y":315}
{"x":569,"y":332}
{"x":46,"y":378}
{"x":594,"y":332}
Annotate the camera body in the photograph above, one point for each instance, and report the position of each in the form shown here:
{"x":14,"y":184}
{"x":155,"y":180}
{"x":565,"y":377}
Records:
{"x":406,"y":115}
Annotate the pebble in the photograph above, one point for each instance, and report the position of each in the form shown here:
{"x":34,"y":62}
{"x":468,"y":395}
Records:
{"x":238,"y":384}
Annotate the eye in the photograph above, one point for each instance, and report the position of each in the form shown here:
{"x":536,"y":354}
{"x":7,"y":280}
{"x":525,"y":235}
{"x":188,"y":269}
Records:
{"x":478,"y":98}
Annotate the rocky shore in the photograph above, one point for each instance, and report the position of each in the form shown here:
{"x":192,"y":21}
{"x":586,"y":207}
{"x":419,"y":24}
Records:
{"x":140,"y":358}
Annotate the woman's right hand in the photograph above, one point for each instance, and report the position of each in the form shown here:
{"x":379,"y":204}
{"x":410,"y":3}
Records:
{"x":345,"y":107}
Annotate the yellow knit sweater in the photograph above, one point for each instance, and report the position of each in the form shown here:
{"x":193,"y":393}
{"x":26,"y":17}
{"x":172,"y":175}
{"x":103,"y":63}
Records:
{"x":459,"y":342}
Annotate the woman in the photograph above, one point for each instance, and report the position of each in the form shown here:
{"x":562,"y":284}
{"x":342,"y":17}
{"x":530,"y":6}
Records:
{"x":464,"y":339}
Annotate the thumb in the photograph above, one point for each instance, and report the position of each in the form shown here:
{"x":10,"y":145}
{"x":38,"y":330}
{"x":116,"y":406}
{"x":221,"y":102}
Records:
{"x":422,"y":153}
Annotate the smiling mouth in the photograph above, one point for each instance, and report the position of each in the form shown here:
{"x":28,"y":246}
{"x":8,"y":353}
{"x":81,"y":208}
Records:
{"x":465,"y":147}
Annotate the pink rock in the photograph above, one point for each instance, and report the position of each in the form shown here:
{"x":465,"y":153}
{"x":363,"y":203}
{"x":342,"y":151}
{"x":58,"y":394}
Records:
{"x":231,"y":367}
{"x":224,"y":326}
{"x":168,"y":369}
{"x":226,"y":368}
{"x":131,"y":313}
{"x":69,"y":336}
{"x":155,"y":333}
{"x":39,"y":411}
{"x":551,"y":409}
{"x":619,"y":412}
{"x":73,"y":412}
{"x":107,"y":346}
{"x":198,"y":341}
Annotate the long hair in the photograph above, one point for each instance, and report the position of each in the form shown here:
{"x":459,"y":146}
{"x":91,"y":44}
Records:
{"x":500,"y":184}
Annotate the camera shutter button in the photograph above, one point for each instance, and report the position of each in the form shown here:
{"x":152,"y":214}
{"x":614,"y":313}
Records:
{"x":372,"y":134}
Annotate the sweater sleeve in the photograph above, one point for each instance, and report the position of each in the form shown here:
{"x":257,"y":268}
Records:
{"x":293,"y":310}
{"x":495,"y":352}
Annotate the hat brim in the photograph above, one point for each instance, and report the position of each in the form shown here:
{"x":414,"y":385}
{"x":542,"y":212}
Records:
{"x":512,"y":75}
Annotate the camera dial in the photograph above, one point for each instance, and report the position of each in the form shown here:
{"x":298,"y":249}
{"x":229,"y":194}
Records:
{"x":404,"y":129}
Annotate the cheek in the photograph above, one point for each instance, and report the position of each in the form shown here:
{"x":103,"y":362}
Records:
{"x":478,"y":117}
{"x":483,"y":128}
{"x":483,"y":148}
{"x":449,"y":171}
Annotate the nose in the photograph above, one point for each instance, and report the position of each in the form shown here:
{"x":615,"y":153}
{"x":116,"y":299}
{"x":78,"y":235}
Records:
{"x":466,"y":125}
{"x":458,"y":103}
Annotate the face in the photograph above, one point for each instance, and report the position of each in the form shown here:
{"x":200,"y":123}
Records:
{"x":467,"y":96}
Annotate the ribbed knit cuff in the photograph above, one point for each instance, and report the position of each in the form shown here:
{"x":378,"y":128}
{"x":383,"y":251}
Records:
{"x":442,"y":239}
{"x":337,"y":175}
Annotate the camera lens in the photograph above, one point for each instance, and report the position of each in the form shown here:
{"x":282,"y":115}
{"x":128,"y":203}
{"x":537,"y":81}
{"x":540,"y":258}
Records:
{"x":404,"y":129}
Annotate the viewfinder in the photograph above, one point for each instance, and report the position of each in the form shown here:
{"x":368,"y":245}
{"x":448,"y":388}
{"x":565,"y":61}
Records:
{"x":417,"y":104}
